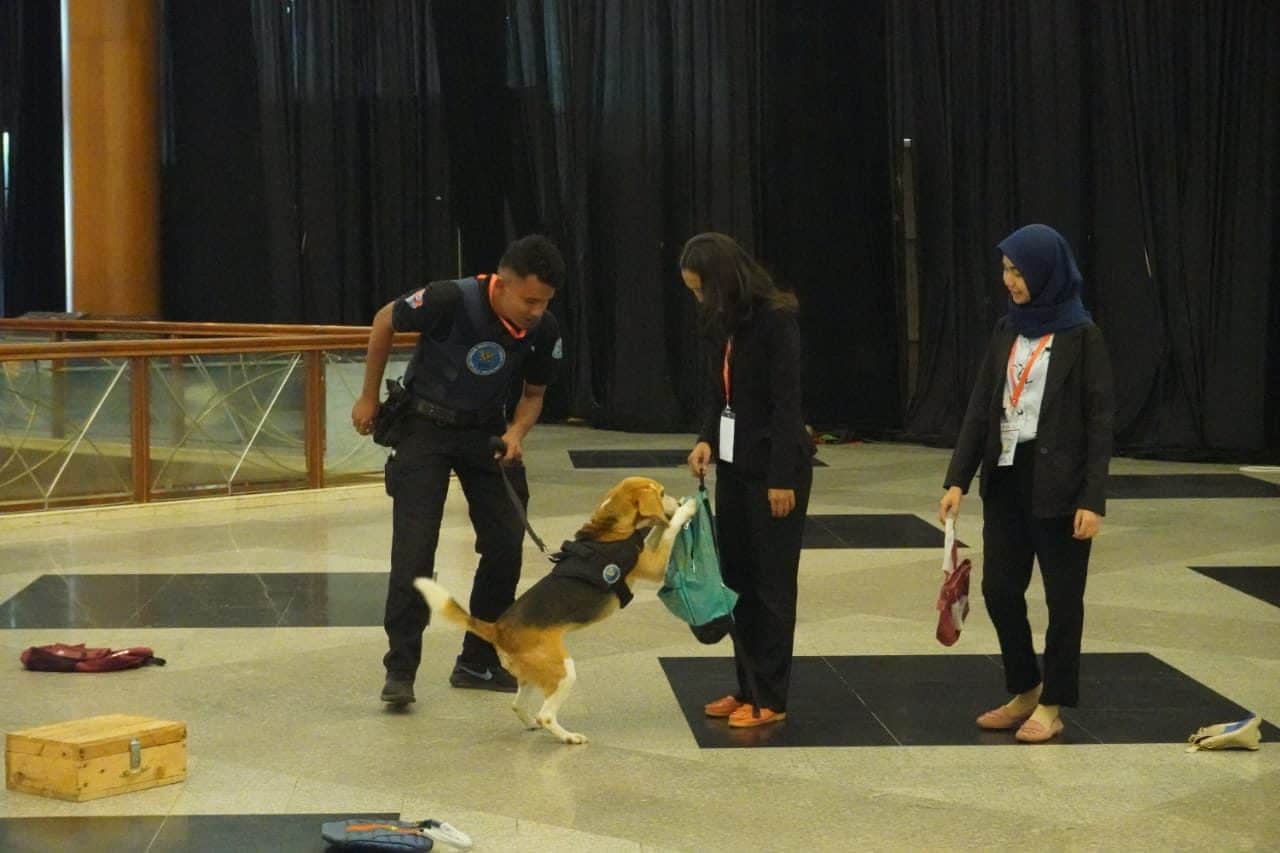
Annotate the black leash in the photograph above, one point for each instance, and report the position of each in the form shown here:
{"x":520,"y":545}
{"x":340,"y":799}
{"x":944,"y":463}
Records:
{"x":497,"y":445}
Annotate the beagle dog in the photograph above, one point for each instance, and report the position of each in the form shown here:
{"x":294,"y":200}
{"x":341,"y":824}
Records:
{"x":628,"y":538}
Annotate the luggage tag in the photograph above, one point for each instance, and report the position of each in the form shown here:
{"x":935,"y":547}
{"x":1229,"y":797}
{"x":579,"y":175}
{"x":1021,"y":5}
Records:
{"x":726,"y":435}
{"x":1008,"y":443}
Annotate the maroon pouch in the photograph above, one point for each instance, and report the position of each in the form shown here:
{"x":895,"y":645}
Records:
{"x":953,"y":597}
{"x":60,"y":657}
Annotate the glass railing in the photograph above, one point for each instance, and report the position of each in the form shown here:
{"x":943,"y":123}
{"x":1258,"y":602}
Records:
{"x":119,"y":412}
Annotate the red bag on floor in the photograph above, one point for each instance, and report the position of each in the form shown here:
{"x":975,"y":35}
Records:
{"x":59,"y":657}
{"x":953,"y":598}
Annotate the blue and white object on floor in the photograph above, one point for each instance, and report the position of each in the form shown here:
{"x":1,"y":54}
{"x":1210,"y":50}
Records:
{"x":1242,"y":734}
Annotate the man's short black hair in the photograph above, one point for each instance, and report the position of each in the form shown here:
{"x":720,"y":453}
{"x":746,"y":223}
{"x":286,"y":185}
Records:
{"x":535,"y":255}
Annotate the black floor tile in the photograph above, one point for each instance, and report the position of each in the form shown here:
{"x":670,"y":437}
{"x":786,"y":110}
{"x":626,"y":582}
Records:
{"x":871,"y":531}
{"x":277,"y":833}
{"x":290,"y":599}
{"x":45,"y":834}
{"x":821,"y":711}
{"x":638,"y":459}
{"x":1262,"y":582}
{"x":932,"y":700}
{"x":265,"y":833}
{"x":1154,"y":486}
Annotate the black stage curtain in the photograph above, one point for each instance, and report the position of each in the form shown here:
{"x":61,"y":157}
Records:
{"x":1147,"y":133}
{"x":334,"y":185}
{"x":640,"y":126}
{"x":32,"y":245}
{"x":828,"y":216}
{"x":643,"y":124}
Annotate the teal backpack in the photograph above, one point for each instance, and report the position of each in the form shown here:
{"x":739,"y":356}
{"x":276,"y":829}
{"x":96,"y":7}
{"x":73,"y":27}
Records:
{"x":693,"y":589}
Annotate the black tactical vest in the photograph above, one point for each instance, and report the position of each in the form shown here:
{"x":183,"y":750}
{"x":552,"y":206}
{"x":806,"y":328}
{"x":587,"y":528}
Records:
{"x":471,"y":369}
{"x":604,"y":565}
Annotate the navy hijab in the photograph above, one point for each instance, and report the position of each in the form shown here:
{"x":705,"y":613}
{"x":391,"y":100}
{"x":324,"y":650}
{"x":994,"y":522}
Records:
{"x":1044,"y":258}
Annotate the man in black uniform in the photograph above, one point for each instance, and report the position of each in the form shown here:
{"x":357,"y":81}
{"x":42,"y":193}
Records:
{"x":477,"y":335}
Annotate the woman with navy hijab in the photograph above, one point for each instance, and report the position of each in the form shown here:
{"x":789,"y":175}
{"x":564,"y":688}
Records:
{"x":1039,"y":423}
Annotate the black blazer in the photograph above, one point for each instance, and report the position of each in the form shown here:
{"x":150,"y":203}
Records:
{"x":770,"y":441}
{"x":1073,"y":435}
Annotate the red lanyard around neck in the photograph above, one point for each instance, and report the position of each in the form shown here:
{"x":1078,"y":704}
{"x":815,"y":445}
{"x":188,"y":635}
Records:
{"x":728,"y":348}
{"x":1015,"y":394}
{"x":512,"y":330}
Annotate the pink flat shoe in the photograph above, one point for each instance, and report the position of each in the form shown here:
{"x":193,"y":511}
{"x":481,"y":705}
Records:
{"x":1000,"y":719}
{"x":1034,"y":732}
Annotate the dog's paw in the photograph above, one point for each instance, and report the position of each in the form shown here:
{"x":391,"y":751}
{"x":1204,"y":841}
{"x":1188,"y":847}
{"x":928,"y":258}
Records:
{"x":687,"y":511}
{"x":525,"y":719}
{"x":573,"y":738}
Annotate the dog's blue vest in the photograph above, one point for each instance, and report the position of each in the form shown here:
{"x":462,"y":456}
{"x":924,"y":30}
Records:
{"x":604,"y":565}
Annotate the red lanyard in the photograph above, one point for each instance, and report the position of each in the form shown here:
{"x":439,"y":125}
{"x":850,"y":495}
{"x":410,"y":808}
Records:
{"x":728,"y":348}
{"x":515,"y":332}
{"x":1016,"y":393}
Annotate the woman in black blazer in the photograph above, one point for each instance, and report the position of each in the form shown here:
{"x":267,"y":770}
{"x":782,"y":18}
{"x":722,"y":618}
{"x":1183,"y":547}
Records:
{"x":755,"y":428}
{"x":1040,"y":424}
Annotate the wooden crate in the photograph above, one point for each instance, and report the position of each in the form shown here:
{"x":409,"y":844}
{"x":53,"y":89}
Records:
{"x":96,"y":757}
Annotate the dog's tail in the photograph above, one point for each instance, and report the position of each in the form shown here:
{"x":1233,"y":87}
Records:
{"x":442,"y":604}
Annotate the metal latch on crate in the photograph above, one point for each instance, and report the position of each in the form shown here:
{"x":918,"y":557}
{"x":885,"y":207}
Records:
{"x":135,"y":757}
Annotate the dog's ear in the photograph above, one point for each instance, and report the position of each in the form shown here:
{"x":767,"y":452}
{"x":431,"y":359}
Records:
{"x":649,"y":504}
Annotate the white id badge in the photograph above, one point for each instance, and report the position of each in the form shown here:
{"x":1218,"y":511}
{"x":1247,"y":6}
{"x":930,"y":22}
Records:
{"x":726,"y":435}
{"x":1008,"y":443}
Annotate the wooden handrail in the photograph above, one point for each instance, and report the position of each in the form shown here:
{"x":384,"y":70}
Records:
{"x":197,"y":339}
{"x":161,"y":327}
{"x":191,"y":346}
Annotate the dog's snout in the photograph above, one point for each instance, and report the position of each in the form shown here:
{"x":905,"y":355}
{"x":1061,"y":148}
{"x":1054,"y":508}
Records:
{"x":669,"y":505}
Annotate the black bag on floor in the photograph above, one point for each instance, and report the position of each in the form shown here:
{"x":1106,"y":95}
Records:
{"x":392,"y":417}
{"x":356,"y":834}
{"x":390,"y":836}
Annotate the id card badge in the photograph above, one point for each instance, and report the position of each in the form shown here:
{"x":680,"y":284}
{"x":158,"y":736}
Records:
{"x":1008,"y":443}
{"x":726,"y":435}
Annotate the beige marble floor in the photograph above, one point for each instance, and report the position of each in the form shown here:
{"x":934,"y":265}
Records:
{"x":287,"y":720}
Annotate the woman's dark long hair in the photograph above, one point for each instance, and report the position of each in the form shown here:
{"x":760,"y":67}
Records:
{"x":734,"y":285}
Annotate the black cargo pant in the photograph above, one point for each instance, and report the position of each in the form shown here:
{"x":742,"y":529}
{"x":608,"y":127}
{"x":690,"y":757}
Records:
{"x":418,"y":482}
{"x":760,"y":560}
{"x":1013,"y":539}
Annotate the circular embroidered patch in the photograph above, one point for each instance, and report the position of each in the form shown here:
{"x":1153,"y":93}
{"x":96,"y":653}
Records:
{"x":612,"y":573}
{"x":486,"y":358}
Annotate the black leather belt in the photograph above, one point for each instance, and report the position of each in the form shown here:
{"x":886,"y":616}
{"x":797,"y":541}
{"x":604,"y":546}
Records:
{"x":445,"y":416}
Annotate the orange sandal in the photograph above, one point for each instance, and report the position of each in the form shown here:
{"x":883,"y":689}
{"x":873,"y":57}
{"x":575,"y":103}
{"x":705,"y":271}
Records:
{"x":723,"y":707}
{"x":744,"y":717}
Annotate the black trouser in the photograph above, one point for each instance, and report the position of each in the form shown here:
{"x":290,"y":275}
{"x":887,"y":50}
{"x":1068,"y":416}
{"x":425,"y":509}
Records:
{"x":1012,"y":539}
{"x":760,"y":560}
{"x":418,"y":482}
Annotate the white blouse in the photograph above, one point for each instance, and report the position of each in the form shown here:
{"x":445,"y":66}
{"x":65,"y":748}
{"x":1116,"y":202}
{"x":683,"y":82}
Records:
{"x":1027,"y":416}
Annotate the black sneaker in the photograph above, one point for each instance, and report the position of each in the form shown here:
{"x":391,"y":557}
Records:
{"x":488,"y":678}
{"x":398,"y":691}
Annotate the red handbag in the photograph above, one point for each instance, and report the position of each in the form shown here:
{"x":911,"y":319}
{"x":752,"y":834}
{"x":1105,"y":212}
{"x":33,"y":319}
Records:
{"x":953,"y":597}
{"x":60,"y":657}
